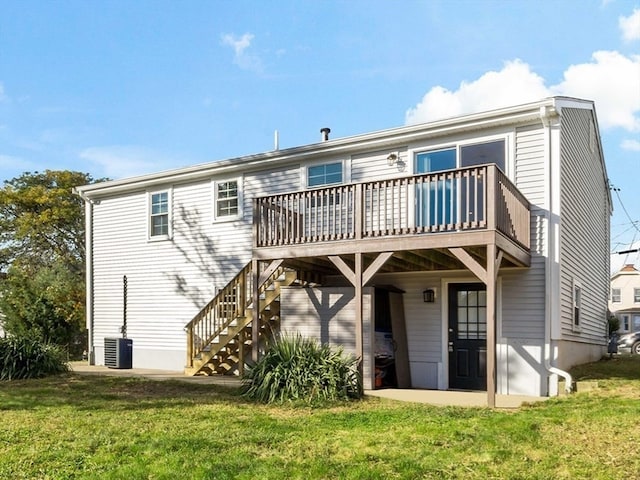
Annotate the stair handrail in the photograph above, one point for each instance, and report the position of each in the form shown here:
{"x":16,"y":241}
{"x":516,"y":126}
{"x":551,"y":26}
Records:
{"x":219,"y":313}
{"x":217,"y":316}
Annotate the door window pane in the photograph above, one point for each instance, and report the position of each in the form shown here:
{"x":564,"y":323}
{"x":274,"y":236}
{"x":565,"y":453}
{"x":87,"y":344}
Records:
{"x":472,"y":315}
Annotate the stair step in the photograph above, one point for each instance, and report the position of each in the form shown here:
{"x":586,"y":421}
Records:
{"x":222,"y":354}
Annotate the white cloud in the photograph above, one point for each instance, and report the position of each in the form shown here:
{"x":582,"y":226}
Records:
{"x":630,"y":26}
{"x":633,"y":145}
{"x":240,"y":46}
{"x":610,"y":79}
{"x":514,"y":84}
{"x":119,"y":161}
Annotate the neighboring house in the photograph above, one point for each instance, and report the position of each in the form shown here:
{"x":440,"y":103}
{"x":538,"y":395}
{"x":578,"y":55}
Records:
{"x":624,"y":301}
{"x":467,"y":253}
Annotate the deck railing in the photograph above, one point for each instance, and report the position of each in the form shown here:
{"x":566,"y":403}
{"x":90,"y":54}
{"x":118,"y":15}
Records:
{"x":465,"y":199}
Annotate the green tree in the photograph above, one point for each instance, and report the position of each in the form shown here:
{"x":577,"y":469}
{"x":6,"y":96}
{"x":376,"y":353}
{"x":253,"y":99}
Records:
{"x":42,"y":252}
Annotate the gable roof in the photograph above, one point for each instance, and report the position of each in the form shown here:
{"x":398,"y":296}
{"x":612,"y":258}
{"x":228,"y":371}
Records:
{"x":348,"y":145}
{"x":628,"y":269}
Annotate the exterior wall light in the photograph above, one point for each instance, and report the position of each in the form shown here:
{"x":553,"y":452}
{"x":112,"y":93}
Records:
{"x":429,"y":295}
{"x":392,"y":158}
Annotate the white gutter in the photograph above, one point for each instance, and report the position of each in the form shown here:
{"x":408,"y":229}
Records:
{"x":546,"y":114}
{"x":88,"y":253}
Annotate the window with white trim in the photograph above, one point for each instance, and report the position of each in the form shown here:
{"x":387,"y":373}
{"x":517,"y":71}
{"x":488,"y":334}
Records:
{"x":577,"y":300}
{"x":615,"y":295}
{"x":460,"y":156}
{"x":636,"y":295}
{"x":324,"y":174}
{"x":625,"y":323}
{"x":226,"y":199}
{"x":159,"y":214}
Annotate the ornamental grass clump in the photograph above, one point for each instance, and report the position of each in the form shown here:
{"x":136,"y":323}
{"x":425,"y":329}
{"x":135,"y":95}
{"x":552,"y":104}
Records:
{"x":28,"y":357}
{"x":295,"y":368}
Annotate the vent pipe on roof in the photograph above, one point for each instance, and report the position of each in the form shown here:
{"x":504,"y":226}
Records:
{"x":325,"y":133}
{"x":276,"y":140}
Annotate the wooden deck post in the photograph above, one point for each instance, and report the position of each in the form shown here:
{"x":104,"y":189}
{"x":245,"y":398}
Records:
{"x":488,"y":276}
{"x":359,"y":303}
{"x":491,"y":324}
{"x":358,"y":278}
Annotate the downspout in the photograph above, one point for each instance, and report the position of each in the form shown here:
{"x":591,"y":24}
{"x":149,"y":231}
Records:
{"x":88,"y":250}
{"x":546,"y":113}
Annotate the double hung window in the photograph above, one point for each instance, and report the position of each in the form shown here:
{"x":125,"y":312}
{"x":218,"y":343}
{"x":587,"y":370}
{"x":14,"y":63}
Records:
{"x":615,"y":295}
{"x":159,"y":218}
{"x":577,"y":300}
{"x":227,"y":199}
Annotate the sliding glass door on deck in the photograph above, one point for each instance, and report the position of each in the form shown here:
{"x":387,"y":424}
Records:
{"x":454,"y":197}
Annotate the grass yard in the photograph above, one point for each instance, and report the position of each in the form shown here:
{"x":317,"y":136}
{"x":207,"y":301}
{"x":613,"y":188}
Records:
{"x":77,"y":427}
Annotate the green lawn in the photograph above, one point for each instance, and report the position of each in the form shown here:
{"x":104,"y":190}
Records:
{"x":110,"y":427}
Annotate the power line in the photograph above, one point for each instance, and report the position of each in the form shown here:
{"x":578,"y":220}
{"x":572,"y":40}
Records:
{"x":633,"y":222}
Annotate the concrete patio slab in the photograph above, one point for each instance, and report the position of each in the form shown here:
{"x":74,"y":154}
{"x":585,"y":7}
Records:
{"x":452,"y":398}
{"x":432,"y":397}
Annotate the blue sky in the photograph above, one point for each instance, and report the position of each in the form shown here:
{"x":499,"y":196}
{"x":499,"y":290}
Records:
{"x":120,"y":88}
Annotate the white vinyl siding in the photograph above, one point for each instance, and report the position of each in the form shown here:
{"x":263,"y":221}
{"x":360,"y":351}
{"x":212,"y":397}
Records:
{"x":370,"y":166}
{"x":584,"y":230}
{"x":524,"y":292}
{"x":259,"y":184}
{"x":327,"y":314}
{"x":120,"y":248}
{"x":168,"y":282}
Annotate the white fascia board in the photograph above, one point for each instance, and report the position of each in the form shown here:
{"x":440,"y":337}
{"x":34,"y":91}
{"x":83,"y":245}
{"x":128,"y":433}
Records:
{"x":348,"y":145}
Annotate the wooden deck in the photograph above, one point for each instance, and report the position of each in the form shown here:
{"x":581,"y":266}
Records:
{"x":429,"y":213}
{"x":471,"y":218}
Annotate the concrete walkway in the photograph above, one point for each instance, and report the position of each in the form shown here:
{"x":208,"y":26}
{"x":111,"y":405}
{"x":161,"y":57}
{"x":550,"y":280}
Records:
{"x":432,"y":397}
{"x":82,"y":368}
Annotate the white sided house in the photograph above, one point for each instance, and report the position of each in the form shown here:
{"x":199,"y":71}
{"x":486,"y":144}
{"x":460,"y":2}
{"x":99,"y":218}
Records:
{"x":624,"y":302}
{"x":469,"y":253}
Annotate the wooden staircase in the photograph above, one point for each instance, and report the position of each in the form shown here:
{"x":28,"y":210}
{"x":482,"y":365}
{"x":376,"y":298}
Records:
{"x":219,"y":336}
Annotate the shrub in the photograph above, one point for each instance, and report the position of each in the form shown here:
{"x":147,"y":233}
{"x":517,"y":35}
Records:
{"x":301,"y":369}
{"x":28,"y":357}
